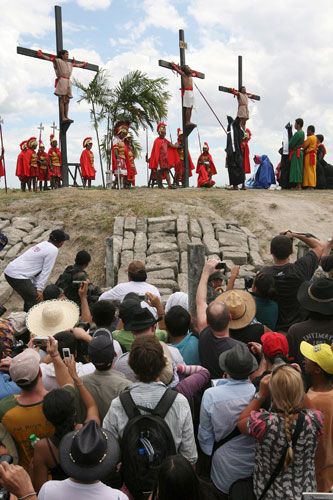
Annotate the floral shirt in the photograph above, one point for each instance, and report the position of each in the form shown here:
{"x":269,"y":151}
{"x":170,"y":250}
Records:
{"x":268,"y":429}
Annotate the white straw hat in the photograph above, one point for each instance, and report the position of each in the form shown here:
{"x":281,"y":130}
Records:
{"x":52,"y":316}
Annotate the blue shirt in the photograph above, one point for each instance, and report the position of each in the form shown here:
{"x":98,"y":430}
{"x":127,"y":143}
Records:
{"x":189,"y":349}
{"x":220,"y":409}
{"x":7,"y":386}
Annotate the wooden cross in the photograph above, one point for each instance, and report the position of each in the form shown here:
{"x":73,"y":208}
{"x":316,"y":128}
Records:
{"x":186,"y":130}
{"x":40,"y":128}
{"x":240,"y":81}
{"x":64,"y":127}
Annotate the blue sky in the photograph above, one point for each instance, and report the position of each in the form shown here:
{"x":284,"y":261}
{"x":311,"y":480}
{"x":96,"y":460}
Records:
{"x":286,"y":48}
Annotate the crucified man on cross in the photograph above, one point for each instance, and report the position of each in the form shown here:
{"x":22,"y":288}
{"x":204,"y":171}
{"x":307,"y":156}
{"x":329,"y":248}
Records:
{"x":243,"y":105}
{"x":63,"y":70}
{"x":187,"y":91}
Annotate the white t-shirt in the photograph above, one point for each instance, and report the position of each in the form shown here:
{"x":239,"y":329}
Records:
{"x":35,"y":264}
{"x":53,"y":490}
{"x":120,"y":291}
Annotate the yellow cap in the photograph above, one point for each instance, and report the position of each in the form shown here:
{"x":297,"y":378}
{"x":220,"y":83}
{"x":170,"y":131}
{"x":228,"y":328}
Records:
{"x":321,"y":354}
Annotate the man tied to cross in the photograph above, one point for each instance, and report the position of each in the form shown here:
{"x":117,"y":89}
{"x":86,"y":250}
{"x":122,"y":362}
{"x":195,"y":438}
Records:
{"x":243,"y":105}
{"x":63,"y":85}
{"x":187,"y":90}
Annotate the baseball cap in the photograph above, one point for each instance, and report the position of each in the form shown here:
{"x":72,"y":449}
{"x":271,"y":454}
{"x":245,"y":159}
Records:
{"x":320,"y":353}
{"x":274,"y":343}
{"x":100,"y":349}
{"x":127,"y":310}
{"x":58,"y":235}
{"x":24,"y":368}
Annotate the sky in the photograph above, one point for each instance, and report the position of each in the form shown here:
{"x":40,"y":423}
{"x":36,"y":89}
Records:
{"x":287,"y":48}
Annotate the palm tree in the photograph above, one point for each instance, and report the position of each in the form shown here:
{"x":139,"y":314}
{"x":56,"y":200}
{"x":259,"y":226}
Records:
{"x":95,"y":94}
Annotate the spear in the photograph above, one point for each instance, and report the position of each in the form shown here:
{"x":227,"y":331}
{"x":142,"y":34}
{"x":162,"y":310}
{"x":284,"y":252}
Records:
{"x":2,"y":150}
{"x":147,"y":156}
{"x":199,"y":140}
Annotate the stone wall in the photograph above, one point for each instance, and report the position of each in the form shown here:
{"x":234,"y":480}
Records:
{"x":22,"y":233}
{"x":161,"y":243}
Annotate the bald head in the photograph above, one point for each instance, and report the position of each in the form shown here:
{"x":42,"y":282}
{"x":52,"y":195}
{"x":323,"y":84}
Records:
{"x":218,"y":316}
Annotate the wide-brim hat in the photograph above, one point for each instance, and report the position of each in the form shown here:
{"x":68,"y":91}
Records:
{"x":52,"y":316}
{"x":317,"y":295}
{"x":238,"y":362}
{"x":141,"y":319}
{"x":241,"y":305}
{"x":89,"y":453}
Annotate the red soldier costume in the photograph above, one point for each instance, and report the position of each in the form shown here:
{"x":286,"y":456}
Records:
{"x":43,"y":166}
{"x":2,"y":170}
{"x":121,"y":164}
{"x":22,"y":167}
{"x":131,"y":157}
{"x":246,"y":151}
{"x":31,"y":158}
{"x":179,"y":167}
{"x":163,"y":156}
{"x":205,"y":168}
{"x":54,"y":162}
{"x":87,"y":161}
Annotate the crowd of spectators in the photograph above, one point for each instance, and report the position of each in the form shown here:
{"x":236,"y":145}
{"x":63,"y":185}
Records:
{"x":112,"y":395}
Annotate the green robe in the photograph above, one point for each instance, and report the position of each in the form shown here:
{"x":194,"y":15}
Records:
{"x":296,"y":164}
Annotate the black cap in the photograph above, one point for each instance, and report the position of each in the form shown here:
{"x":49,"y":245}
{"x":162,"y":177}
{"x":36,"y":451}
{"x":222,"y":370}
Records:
{"x":100,"y":349}
{"x":58,"y":235}
{"x":127,"y":310}
{"x":141,"y":319}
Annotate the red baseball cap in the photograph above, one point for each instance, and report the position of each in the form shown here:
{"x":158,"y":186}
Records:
{"x":274,"y":343}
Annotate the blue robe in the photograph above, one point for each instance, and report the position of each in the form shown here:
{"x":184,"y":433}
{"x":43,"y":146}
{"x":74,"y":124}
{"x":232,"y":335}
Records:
{"x":264,"y":175}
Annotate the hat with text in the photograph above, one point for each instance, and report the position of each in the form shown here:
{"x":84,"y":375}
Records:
{"x":321,"y":354}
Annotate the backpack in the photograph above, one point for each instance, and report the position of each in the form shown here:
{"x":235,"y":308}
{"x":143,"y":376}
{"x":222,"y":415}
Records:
{"x":3,"y":241}
{"x":146,"y":442}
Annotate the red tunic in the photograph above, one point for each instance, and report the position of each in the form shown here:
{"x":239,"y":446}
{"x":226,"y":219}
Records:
{"x":31,"y":159}
{"x":55,"y":162}
{"x":173,"y":157}
{"x":205,"y":172}
{"x":42,"y":157}
{"x":2,"y":170}
{"x":179,"y":167}
{"x":246,"y":154}
{"x":87,"y":165}
{"x":22,"y":167}
{"x":132,"y":160}
{"x":123,"y":156}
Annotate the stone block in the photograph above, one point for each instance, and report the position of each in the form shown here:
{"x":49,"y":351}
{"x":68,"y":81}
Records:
{"x":232,"y":240}
{"x":183,"y":240}
{"x":161,"y":237}
{"x":238,"y":258}
{"x":23,"y":225}
{"x":183,"y":262}
{"x":140,"y":256}
{"x":16,"y":221}
{"x":206,"y":226}
{"x":35,"y":233}
{"x":211,"y":245}
{"x":220,"y":226}
{"x":195,"y":229}
{"x":6,"y":215}
{"x":247,"y":231}
{"x":182,"y":224}
{"x":140,"y":244}
{"x":122,"y":275}
{"x":14,"y":235}
{"x":165,"y":260}
{"x":182,"y":282}
{"x":234,"y":228}
{"x":141,"y":225}
{"x":162,"y":227}
{"x":161,"y":247}
{"x":5,"y":292}
{"x":126,"y":258}
{"x":253,"y":244}
{"x":195,"y":240}
{"x":166,"y":294}
{"x":163,"y":218}
{"x":4,"y":223}
{"x":128,"y":235}
{"x":117,"y":243}
{"x":231,"y":223}
{"x":118,"y":226}
{"x":14,"y":251}
{"x":162,"y":284}
{"x":128,"y":244}
{"x":43,"y":237}
{"x":256,"y":260}
{"x":240,"y":248}
{"x":163,"y":274}
{"x":52,"y":224}
{"x":130,"y":224}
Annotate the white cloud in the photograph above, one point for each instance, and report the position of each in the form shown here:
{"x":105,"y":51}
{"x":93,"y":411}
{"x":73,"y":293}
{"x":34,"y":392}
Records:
{"x":94,"y":4}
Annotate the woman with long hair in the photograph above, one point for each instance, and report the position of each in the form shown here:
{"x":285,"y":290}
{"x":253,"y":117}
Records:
{"x":274,"y":432}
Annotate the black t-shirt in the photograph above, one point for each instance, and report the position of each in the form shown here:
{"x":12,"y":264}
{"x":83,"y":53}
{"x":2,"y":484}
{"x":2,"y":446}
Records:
{"x":288,"y":278}
{"x":210,"y":348}
{"x":250,"y":333}
{"x":327,"y":263}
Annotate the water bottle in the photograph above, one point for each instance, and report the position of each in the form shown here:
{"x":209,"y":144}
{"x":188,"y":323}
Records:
{"x":34,"y":440}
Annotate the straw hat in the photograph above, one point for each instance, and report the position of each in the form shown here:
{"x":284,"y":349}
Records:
{"x":52,"y":316}
{"x":241,"y":305}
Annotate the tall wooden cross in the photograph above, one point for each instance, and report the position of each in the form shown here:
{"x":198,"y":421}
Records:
{"x":63,"y":126}
{"x":240,"y":81}
{"x":186,"y":130}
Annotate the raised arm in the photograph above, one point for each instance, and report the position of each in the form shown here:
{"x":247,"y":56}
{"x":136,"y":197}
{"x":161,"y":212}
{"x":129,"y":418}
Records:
{"x":316,"y":245}
{"x":154,"y":301}
{"x":85,"y":310}
{"x":61,"y":372}
{"x":43,"y":56}
{"x":201,"y":298}
{"x":178,"y":69}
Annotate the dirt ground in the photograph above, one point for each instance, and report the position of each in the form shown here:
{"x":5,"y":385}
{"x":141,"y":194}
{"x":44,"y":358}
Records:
{"x":88,"y":215}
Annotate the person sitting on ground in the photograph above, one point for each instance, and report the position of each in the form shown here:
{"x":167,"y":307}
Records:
{"x":137,"y":276}
{"x":213,"y":325}
{"x":319,"y":365}
{"x":275,"y":430}
{"x":288,"y":277}
{"x":178,"y":322}
{"x":243,"y":325}
{"x":316,"y":298}
{"x":220,"y":408}
{"x":123,"y":333}
{"x":105,"y":383}
{"x":59,"y":409}
{"x":147,"y":360}
{"x":77,"y":272}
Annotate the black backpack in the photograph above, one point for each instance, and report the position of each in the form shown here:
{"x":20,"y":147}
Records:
{"x":146,"y":442}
